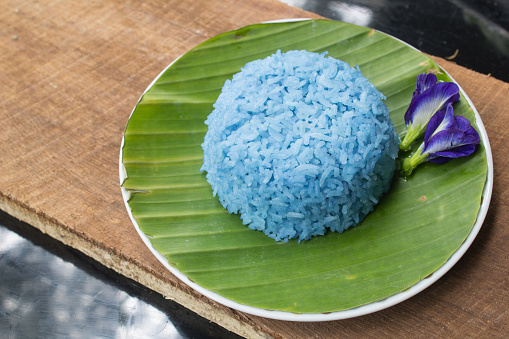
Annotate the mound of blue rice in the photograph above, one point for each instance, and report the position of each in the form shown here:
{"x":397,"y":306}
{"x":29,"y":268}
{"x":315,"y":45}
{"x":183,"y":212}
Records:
{"x":299,"y":143}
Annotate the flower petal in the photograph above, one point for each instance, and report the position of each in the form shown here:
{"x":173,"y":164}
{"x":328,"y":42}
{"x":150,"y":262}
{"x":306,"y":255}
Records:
{"x":425,"y":105}
{"x":456,"y":152}
{"x":440,"y":121}
{"x":423,"y":82}
{"x":457,"y":140}
{"x":463,"y":123}
{"x":439,"y":160}
{"x":470,"y":132}
{"x":444,"y":140}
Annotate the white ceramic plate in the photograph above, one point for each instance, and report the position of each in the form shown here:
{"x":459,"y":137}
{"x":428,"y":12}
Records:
{"x":349,"y":313}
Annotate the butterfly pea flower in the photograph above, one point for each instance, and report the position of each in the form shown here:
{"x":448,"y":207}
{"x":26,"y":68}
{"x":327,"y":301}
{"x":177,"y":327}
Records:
{"x":428,"y":98}
{"x":424,"y":81}
{"x":447,"y":137}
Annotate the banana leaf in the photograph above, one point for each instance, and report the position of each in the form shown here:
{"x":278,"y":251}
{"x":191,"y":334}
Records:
{"x":414,"y":230}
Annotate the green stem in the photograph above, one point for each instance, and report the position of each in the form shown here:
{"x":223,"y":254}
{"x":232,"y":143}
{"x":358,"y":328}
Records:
{"x":417,"y":158}
{"x":411,"y":135}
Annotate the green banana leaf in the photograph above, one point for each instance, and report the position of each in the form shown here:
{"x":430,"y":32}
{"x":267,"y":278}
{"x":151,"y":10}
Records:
{"x":413,"y":231}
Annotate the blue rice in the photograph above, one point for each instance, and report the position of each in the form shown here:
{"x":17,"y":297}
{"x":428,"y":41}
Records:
{"x":299,"y":143}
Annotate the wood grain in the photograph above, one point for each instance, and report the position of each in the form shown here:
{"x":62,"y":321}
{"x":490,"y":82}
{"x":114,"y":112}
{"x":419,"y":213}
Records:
{"x":71,"y":73}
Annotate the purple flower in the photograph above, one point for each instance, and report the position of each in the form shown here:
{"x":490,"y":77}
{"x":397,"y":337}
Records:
{"x":447,"y":137}
{"x":428,"y":98}
{"x":424,"y":81}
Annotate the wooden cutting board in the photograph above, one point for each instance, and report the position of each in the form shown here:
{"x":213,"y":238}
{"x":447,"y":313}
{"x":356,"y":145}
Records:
{"x":71,"y":73}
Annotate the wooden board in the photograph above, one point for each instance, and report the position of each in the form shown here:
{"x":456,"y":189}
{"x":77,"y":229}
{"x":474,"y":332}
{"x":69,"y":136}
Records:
{"x":71,"y":73}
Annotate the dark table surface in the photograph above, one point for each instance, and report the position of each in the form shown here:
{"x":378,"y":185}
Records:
{"x":49,"y":290}
{"x":472,"y":33}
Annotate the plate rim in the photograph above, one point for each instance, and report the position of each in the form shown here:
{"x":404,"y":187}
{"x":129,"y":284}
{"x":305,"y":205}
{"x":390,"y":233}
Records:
{"x":365,"y":309}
